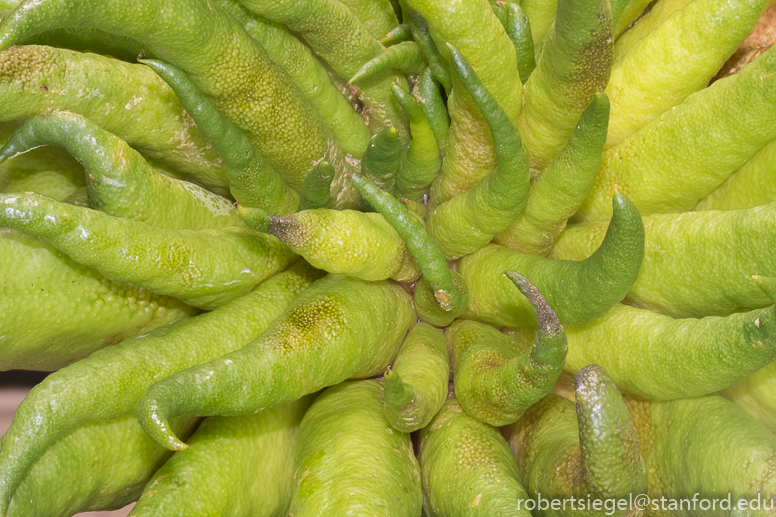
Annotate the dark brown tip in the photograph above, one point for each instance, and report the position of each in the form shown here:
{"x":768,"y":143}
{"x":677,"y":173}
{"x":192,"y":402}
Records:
{"x":288,"y":229}
{"x":548,"y":320}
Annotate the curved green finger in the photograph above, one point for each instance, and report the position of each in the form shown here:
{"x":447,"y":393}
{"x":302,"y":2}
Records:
{"x":467,"y":469}
{"x":426,"y":92}
{"x":347,"y":447}
{"x":204,"y":268}
{"x":234,"y":466}
{"x":378,"y":16}
{"x":40,"y":285}
{"x":587,"y":452}
{"x":231,"y":69}
{"x":362,"y":245}
{"x":471,"y":219}
{"x":706,"y":355}
{"x":657,"y":179}
{"x":316,"y":189}
{"x":705,"y":445}
{"x":430,"y":260}
{"x":438,"y":67}
{"x":495,"y":381}
{"x":336,"y":35}
{"x":79,"y":472}
{"x":559,"y":191}
{"x":381,"y":159}
{"x":66,"y":400}
{"x":473,"y":29}
{"x":677,"y":59}
{"x":304,"y":69}
{"x":575,"y":64}
{"x":690,"y":269}
{"x":401,"y":33}
{"x":405,"y":57}
{"x":128,"y":100}
{"x":119,"y":181}
{"x":751,"y":185}
{"x":420,"y":163}
{"x":339,"y":328}
{"x":515,"y":22}
{"x":416,"y":386}
{"x":252,"y":180}
{"x":577,"y":291}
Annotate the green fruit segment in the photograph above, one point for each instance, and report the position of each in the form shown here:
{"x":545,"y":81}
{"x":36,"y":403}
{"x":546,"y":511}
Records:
{"x":406,"y":57}
{"x":123,"y":99}
{"x":381,"y":158}
{"x":437,"y":66}
{"x":577,"y":291}
{"x":559,"y":191}
{"x":471,"y":219}
{"x":350,"y":461}
{"x":690,"y":268}
{"x":100,"y":466}
{"x":515,"y":22}
{"x":66,"y":399}
{"x":658,"y":179}
{"x":677,"y":59}
{"x":427,"y":92}
{"x":363,"y":245}
{"x":316,"y":190}
{"x":473,"y":29}
{"x":420,"y":163}
{"x":234,"y":466}
{"x":467,"y":468}
{"x":339,"y":328}
{"x":204,"y":268}
{"x":449,"y":295}
{"x":574,"y":66}
{"x":587,"y":451}
{"x":54,"y":311}
{"x":119,"y":181}
{"x":729,"y":451}
{"x":252,"y":181}
{"x":416,"y":385}
{"x":706,"y":355}
{"x":495,"y":381}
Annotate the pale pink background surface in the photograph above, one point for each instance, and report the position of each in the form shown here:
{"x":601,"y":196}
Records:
{"x":10,"y":398}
